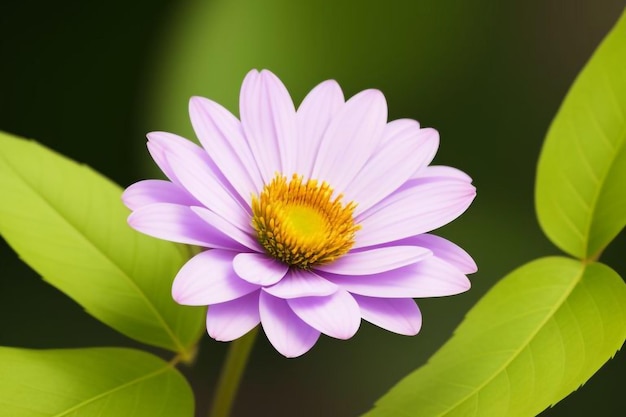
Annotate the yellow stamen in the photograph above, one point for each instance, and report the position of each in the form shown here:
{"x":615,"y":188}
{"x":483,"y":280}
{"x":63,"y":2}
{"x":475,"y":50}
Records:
{"x":298,"y":223}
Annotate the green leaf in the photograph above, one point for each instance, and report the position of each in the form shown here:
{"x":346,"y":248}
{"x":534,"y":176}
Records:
{"x":539,"y":334}
{"x":580,"y":191}
{"x":97,"y":382}
{"x":68,"y":223}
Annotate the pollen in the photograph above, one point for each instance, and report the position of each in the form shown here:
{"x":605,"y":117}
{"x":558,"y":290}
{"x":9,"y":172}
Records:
{"x":301,"y":224}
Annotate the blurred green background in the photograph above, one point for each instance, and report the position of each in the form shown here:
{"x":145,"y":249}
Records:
{"x":89,"y":79}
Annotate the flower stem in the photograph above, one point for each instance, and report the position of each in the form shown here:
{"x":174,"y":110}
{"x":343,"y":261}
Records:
{"x":232,"y":371}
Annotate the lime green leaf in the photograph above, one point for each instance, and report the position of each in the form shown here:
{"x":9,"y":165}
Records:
{"x":580,"y":192}
{"x":97,"y":382}
{"x":539,"y":334}
{"x":69,"y":224}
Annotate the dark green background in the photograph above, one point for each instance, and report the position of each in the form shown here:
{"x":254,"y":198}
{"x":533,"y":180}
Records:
{"x":90,"y":79}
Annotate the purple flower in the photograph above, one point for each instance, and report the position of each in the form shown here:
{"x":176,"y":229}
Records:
{"x":311,"y":218}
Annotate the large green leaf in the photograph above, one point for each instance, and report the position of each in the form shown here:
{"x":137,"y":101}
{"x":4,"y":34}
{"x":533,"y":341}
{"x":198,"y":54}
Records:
{"x":68,"y":223}
{"x":581,"y":177}
{"x":99,"y":382}
{"x":539,"y":334}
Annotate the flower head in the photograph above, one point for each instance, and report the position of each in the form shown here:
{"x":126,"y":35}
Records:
{"x":311,"y":219}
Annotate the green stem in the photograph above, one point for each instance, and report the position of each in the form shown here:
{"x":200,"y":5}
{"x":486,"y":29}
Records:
{"x":232,"y":372}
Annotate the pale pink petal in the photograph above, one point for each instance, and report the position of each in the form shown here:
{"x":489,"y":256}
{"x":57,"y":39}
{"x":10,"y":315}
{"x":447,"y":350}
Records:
{"x":221,"y":135}
{"x":313,"y":117}
{"x":351,"y":138}
{"x":431,"y":277}
{"x":232,"y":319}
{"x":260,"y":269}
{"x":414,"y":210}
{"x":162,"y":143}
{"x":235,"y":233}
{"x":398,"y":315}
{"x":397,"y":129}
{"x":209,"y":278}
{"x":287,"y":332}
{"x":392,"y":165}
{"x":442,"y":171}
{"x":299,"y":283}
{"x":179,"y":224}
{"x":336,"y":315}
{"x":268,"y":118}
{"x":443,"y":249}
{"x":374,"y":261}
{"x":198,"y":178}
{"x":147,"y":192}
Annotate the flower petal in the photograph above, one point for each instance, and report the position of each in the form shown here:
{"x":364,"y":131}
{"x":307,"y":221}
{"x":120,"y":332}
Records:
{"x":397,"y":129}
{"x":209,"y":278}
{"x":351,"y":139}
{"x":298,"y":283}
{"x":392,"y":165}
{"x":179,"y":224}
{"x":258,"y":268}
{"x":162,"y":143}
{"x":287,"y":332}
{"x":221,"y":135}
{"x":398,"y":315}
{"x":375,"y":261}
{"x":442,"y":171}
{"x":431,"y":277}
{"x":445,"y":250}
{"x":268,"y":118}
{"x":147,"y":192}
{"x":313,"y":117}
{"x":416,"y":209}
{"x":199,"y":179}
{"x":232,"y":319}
{"x":226,"y":228}
{"x":337,"y":315}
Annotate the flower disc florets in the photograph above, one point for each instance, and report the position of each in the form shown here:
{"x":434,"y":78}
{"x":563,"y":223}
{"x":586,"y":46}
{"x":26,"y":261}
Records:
{"x":301,"y":224}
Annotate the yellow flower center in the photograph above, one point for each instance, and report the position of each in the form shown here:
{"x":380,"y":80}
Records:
{"x":298,"y":223}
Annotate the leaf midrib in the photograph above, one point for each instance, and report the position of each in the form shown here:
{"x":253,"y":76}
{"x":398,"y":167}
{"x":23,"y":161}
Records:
{"x":113,"y":390}
{"x":596,"y":196}
{"x":146,"y":300}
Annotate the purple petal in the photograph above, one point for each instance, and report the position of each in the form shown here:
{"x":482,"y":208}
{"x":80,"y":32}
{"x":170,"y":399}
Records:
{"x":222,"y":137}
{"x":227,"y":228}
{"x":209,"y":278}
{"x":258,"y":268}
{"x":284,"y":329}
{"x":268,"y":118}
{"x":336,"y":315}
{"x":314,"y":116}
{"x":232,"y":319}
{"x":299,"y":283}
{"x":442,"y":171}
{"x":443,"y":249}
{"x":392,"y":165}
{"x":179,"y":224}
{"x":147,"y":192}
{"x":351,"y":139}
{"x":199,"y":179}
{"x":398,"y":315}
{"x":431,"y":277}
{"x":375,"y":261}
{"x":162,"y":143}
{"x":397,"y":129}
{"x":417,"y":209}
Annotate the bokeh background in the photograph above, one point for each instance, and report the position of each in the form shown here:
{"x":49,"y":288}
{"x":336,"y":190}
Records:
{"x":89,"y":79}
